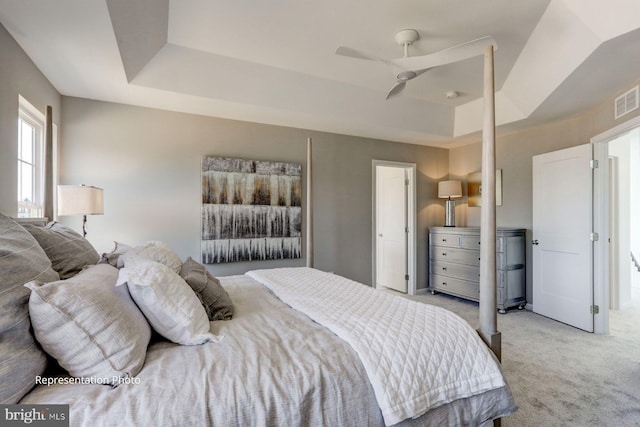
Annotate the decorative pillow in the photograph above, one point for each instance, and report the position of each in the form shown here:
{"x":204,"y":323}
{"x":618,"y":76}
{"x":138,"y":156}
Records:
{"x":213,"y":296}
{"x":21,"y":359}
{"x":90,"y":326}
{"x":113,"y":257}
{"x":155,"y":251}
{"x":68,"y":251}
{"x":166,"y":300}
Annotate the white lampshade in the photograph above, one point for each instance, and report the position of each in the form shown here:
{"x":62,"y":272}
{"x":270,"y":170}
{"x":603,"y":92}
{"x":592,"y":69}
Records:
{"x":80,"y":200}
{"x":449,"y":189}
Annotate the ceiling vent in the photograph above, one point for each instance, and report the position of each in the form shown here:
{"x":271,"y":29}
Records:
{"x":626,"y":103}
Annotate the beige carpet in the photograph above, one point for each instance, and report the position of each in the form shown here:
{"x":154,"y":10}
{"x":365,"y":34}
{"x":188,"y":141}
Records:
{"x":561,"y":376}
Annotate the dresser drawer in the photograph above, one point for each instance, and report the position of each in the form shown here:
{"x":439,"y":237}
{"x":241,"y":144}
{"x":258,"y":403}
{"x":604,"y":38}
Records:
{"x":465,"y":272}
{"x":449,"y":285}
{"x":462,"y":256}
{"x":473,"y":242}
{"x":470,"y":242}
{"x":446,"y":240}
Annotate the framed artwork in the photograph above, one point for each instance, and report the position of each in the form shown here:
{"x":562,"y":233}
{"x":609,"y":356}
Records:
{"x":474,"y":188}
{"x":251,"y":210}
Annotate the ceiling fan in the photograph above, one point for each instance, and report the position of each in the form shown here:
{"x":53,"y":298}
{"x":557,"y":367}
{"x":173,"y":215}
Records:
{"x":410,"y":67}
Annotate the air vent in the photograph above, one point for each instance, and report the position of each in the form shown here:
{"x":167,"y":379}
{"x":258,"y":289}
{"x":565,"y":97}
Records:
{"x":627,"y":102}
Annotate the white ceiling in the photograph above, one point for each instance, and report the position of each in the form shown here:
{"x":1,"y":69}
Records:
{"x":274,"y":61}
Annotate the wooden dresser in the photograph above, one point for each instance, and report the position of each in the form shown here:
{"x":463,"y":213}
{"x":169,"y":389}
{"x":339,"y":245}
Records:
{"x":454,"y":264}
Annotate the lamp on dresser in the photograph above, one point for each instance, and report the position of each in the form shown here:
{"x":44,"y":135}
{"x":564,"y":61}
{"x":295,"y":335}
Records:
{"x":449,"y":190}
{"x":80,"y":200}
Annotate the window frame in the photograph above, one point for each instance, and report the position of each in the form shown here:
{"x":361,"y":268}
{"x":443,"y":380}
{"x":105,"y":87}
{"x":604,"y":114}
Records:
{"x":30,"y":115}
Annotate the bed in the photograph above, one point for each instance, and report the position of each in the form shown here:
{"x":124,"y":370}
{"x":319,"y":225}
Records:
{"x":282,"y":359}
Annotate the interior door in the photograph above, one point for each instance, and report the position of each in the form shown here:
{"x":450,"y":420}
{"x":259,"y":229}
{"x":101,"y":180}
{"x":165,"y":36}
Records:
{"x":391,"y":228}
{"x":562,"y":227}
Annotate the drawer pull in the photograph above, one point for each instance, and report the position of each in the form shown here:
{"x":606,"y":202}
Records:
{"x":444,"y":254}
{"x":444,"y":268}
{"x":444,"y":283}
{"x":444,"y":240}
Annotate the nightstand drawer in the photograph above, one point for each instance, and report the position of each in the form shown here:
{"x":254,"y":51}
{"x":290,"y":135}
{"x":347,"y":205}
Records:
{"x":469,"y":290}
{"x":465,"y":272}
{"x":462,"y":256}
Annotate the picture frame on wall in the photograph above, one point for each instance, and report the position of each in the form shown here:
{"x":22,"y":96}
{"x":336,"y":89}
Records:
{"x":251,"y":210}
{"x":474,"y":188}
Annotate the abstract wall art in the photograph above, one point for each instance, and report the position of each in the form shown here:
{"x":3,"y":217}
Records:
{"x":251,"y":210}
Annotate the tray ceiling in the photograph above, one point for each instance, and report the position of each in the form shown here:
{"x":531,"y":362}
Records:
{"x":274,"y":62}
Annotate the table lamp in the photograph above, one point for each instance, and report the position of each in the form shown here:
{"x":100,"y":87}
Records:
{"x":448,"y":190}
{"x":80,"y":200}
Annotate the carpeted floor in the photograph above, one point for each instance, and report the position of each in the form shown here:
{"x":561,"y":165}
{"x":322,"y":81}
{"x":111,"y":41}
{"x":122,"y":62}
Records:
{"x":561,"y":376}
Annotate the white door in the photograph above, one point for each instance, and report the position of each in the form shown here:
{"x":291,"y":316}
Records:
{"x":562,"y":226}
{"x":391,"y":228}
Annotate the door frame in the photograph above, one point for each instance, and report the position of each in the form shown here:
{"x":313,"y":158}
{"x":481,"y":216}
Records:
{"x":411,"y":221}
{"x":614,"y":250}
{"x":601,"y":221}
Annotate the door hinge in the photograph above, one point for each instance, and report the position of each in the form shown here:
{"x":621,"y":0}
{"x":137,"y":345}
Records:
{"x":593,"y":164}
{"x":406,"y":182}
{"x":406,"y":277}
{"x":594,"y":237}
{"x":406,"y":229}
{"x":595,"y":309}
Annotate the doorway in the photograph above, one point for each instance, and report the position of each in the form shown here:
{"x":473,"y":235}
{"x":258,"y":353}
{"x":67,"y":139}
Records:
{"x":624,"y":184}
{"x":394,"y":226}
{"x":617,"y":282}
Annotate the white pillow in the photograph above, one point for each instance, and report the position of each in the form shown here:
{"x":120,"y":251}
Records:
{"x":91,"y":327}
{"x":155,"y":251}
{"x":167,"y":301}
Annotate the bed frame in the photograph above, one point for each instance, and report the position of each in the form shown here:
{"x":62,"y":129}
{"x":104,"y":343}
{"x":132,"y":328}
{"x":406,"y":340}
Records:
{"x":488,"y":317}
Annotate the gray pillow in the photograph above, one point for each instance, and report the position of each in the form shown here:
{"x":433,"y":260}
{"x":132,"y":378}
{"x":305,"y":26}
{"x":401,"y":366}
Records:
{"x":112,"y":258}
{"x":21,"y":260}
{"x":213,"y":296}
{"x":68,"y":251}
{"x":90,"y":326}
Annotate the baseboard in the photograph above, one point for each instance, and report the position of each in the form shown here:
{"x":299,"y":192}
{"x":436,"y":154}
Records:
{"x":528,"y":307}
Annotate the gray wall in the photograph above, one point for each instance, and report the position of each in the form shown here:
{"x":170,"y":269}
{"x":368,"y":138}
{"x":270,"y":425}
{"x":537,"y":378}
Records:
{"x":514,"y":153}
{"x":18,"y":75}
{"x":148,"y":162}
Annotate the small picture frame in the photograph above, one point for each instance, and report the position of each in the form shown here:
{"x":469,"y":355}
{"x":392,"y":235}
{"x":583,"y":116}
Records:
{"x":474,"y":188}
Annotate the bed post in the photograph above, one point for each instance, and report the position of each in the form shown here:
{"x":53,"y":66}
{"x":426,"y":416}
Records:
{"x":309,"y":253}
{"x":48,"y":158}
{"x":488,"y":317}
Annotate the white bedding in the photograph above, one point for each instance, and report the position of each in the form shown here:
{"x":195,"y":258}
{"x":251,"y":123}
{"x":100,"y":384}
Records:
{"x":417,"y":356}
{"x":274,"y":367}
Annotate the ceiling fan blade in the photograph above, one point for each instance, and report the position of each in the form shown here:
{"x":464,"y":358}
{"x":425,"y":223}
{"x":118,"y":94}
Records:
{"x":355,"y":53}
{"x":396,"y":89}
{"x":446,"y":56}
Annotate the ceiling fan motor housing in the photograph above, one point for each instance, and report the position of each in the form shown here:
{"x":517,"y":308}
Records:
{"x":406,"y":75}
{"x":406,"y":37}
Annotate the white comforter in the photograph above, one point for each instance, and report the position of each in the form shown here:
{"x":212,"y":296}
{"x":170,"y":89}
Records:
{"x":274,"y":368}
{"x":416,"y":356}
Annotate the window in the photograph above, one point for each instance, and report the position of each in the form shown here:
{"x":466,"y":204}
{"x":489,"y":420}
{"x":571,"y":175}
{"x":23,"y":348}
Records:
{"x":30,"y":161}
